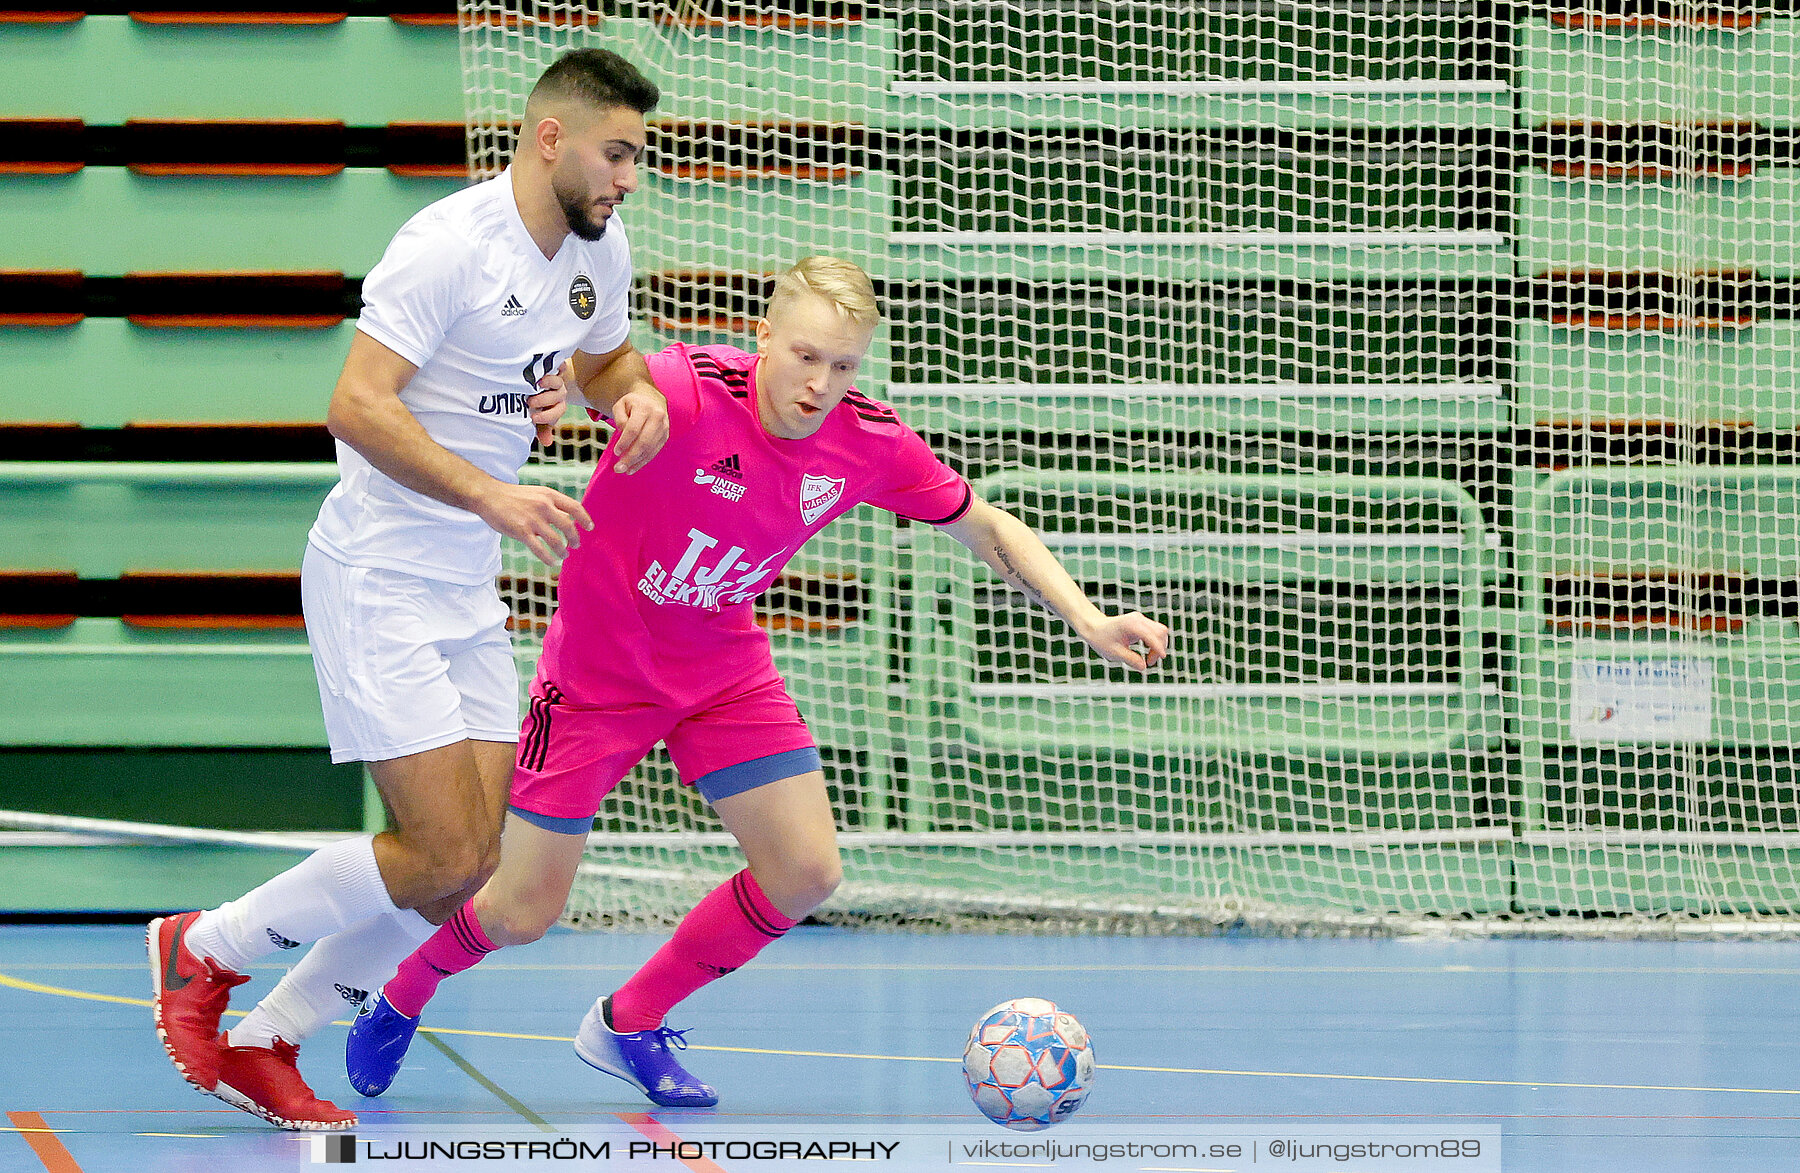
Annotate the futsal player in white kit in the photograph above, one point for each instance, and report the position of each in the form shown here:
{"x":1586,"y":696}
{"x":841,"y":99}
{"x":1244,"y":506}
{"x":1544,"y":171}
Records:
{"x":457,"y":362}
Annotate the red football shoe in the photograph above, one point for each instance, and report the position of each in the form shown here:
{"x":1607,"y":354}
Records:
{"x":266,"y":1082}
{"x":190,"y":997}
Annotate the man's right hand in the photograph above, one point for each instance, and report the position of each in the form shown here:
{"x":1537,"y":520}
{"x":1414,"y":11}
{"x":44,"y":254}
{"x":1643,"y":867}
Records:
{"x":546,"y":521}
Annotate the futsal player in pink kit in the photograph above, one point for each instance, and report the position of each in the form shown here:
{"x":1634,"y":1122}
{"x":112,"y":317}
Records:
{"x":655,"y":639}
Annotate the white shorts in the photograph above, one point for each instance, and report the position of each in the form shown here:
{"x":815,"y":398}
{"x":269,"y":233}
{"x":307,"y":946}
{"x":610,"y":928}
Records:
{"x":406,"y":664}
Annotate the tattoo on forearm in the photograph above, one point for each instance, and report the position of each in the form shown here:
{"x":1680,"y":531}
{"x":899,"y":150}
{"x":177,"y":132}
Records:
{"x":1018,"y":576}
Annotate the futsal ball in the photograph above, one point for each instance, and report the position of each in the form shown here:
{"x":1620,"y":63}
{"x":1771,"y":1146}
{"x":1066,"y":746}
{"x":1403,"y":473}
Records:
{"x":1028,"y":1065}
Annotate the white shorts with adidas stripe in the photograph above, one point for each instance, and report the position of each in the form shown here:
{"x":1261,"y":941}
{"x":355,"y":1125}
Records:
{"x":406,"y":664}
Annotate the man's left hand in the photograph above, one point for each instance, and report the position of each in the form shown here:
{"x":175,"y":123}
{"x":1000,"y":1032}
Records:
{"x":642,"y":415}
{"x":1118,"y":638}
{"x":548,"y":405}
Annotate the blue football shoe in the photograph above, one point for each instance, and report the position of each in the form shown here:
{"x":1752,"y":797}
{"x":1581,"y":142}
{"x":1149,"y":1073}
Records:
{"x":379,"y":1037}
{"x":642,"y":1059}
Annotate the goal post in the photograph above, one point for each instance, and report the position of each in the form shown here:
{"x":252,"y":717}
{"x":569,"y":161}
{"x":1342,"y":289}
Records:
{"x":1426,"y":365}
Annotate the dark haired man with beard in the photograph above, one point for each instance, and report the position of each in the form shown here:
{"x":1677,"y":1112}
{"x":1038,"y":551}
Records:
{"x":481,"y":307}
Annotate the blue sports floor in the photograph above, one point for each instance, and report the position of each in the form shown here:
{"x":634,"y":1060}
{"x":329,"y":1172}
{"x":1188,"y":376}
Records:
{"x":1577,"y":1057}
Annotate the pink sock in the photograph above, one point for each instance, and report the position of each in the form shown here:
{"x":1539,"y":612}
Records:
{"x":726,"y":929}
{"x":458,"y":944}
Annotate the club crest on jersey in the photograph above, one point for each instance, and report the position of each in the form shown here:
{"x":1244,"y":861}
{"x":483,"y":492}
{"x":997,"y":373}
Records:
{"x":817,"y":494}
{"x":581,"y":296}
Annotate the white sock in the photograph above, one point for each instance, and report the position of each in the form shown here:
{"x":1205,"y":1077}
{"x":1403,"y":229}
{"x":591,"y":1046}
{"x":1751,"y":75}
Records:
{"x":332,"y":979}
{"x":329,"y":891}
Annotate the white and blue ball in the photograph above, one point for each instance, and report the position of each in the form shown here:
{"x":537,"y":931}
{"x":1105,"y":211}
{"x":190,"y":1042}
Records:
{"x":1028,"y":1065}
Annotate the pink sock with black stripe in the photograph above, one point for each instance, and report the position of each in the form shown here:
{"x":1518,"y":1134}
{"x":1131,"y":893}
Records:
{"x":726,"y":929}
{"x":457,"y":945}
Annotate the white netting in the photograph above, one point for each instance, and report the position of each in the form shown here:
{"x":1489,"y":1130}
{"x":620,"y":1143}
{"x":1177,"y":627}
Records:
{"x":1427,"y":365}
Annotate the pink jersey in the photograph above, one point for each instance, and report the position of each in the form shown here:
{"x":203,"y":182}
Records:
{"x":655,"y":605}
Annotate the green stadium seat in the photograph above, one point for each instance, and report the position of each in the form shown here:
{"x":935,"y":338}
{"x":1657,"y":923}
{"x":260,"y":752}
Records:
{"x":111,"y":220}
{"x":1150,"y":331}
{"x":102,"y":682}
{"x":1166,"y":535}
{"x":1397,"y":66}
{"x":215,"y":680}
{"x":137,"y":374}
{"x":1149,"y":408}
{"x":1631,"y":562}
{"x":1640,"y":75}
{"x":1568,"y":223}
{"x":364,"y":71}
{"x":100,"y":520}
{"x":962,"y":207}
{"x":193,"y":18}
{"x":1743,"y":377}
{"x":1267,"y":582}
{"x":1659,"y":671}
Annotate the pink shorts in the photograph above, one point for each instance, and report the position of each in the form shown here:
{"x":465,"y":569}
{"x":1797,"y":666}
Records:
{"x":571,"y":756}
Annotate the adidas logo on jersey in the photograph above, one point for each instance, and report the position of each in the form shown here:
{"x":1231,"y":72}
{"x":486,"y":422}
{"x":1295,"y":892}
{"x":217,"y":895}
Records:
{"x":726,"y":478}
{"x":512,"y":308}
{"x":351,"y":994}
{"x":281,"y":942}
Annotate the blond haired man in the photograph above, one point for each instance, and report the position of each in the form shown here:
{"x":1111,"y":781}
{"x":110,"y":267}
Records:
{"x":655,"y":640}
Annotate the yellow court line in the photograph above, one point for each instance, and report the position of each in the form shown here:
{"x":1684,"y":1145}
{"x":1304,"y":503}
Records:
{"x":184,"y":1135}
{"x":1613,"y":1087}
{"x":61,"y":992}
{"x":1629,"y":1087}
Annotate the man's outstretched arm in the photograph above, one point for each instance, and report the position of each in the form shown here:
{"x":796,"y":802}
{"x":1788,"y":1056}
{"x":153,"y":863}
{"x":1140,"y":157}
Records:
{"x":1019,"y":556}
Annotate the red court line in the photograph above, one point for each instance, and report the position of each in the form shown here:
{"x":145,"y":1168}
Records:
{"x":651,"y":1127}
{"x":43,"y":1142}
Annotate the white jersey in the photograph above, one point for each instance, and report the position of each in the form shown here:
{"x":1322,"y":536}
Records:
{"x":466,"y":295}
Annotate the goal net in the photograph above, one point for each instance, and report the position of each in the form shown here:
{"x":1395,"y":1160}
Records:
{"x":1426,"y":365}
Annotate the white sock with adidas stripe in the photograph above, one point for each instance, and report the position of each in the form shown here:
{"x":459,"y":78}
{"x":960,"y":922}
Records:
{"x":333,"y":979}
{"x":332,"y":889}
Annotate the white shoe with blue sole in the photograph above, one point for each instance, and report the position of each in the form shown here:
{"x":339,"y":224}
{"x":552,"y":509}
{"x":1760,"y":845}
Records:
{"x":642,"y":1059}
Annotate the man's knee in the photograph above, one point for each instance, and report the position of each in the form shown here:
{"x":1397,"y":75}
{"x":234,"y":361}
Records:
{"x":807,"y":883}
{"x":518,"y":922}
{"x":445,"y":866}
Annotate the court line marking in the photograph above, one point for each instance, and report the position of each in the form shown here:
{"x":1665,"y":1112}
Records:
{"x":90,"y":996}
{"x":42,"y":1139}
{"x":498,"y":1092}
{"x":654,"y":1129}
{"x":468,"y":1068}
{"x":58,"y":991}
{"x":185,"y":1135}
{"x":1625,"y":1087}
